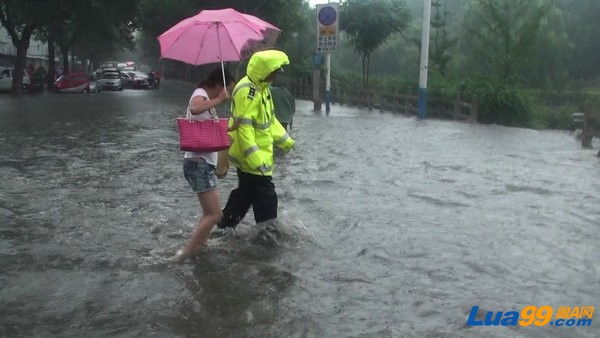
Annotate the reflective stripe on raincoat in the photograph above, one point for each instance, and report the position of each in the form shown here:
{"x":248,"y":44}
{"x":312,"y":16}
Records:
{"x":255,"y":127}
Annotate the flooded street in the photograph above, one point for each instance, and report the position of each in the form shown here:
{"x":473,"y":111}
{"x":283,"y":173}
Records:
{"x":392,"y":227}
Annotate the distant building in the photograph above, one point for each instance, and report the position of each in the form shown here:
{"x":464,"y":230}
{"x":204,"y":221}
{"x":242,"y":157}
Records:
{"x":37,"y":54}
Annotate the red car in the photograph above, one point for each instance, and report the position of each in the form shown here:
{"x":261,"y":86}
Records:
{"x":75,"y":82}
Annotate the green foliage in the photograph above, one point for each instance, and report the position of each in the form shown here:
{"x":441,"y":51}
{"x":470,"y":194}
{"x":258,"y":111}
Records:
{"x":504,"y":36}
{"x":558,"y":117}
{"x":369,"y":23}
{"x":441,"y":42}
{"x":548,"y":66}
{"x":350,"y":80}
{"x":440,"y":86}
{"x":87,"y":29}
{"x":20,"y":19}
{"x":582,"y":28}
{"x":558,"y":106}
{"x":157,"y":16}
{"x":503,"y":104}
{"x":105,"y":28}
{"x":299,"y":43}
{"x":506,"y":44}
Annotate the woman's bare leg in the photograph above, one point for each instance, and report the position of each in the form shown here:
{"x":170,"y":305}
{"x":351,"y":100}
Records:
{"x":211,"y":214}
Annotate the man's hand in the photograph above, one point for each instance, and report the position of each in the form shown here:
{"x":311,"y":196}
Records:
{"x":289,"y":147}
{"x":263,"y":168}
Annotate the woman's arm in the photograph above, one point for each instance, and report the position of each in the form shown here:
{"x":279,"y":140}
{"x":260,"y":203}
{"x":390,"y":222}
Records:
{"x":200,"y":104}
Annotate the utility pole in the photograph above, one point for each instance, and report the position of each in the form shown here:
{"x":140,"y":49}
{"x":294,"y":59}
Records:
{"x":424,"y":60}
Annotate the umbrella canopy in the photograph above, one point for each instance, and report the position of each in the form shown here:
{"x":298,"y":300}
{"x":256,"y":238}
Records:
{"x":216,"y":36}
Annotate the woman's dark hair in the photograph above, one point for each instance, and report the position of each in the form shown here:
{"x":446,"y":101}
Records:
{"x":216,"y":78}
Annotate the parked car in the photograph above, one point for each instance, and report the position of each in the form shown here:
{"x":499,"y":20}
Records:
{"x":6,"y":78}
{"x":109,"y":64}
{"x":111,"y":80}
{"x":140,"y":81}
{"x":75,"y":82}
{"x":128,"y":77}
{"x":95,"y":84}
{"x":109,"y":70}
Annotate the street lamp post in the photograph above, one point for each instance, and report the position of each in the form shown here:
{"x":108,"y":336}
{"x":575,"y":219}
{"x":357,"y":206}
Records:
{"x":424,"y":60}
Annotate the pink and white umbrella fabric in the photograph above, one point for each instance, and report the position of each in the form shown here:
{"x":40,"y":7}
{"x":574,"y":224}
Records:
{"x":216,"y":36}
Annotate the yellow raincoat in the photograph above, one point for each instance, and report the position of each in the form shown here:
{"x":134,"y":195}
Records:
{"x":255,"y":127}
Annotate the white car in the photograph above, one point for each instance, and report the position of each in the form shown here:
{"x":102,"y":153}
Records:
{"x":94,"y":85}
{"x":111,"y":80}
{"x":6,"y":78}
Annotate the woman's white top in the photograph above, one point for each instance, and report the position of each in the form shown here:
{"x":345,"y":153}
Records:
{"x":209,"y":157}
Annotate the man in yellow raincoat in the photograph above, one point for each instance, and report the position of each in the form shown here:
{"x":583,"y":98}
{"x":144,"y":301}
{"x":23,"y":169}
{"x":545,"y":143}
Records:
{"x":254,"y":130}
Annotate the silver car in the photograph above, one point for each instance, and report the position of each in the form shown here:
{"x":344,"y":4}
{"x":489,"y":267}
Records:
{"x":111,"y":80}
{"x":95,"y":84}
{"x":6,"y":78}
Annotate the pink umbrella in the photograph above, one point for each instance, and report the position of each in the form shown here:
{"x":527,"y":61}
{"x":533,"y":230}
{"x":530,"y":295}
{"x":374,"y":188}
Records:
{"x":216,"y":36}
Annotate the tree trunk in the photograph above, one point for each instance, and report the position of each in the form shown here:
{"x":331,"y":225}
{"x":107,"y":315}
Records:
{"x":65,"y":59}
{"x":51,"y":66}
{"x":364,"y":83}
{"x":22,"y":46}
{"x":367,"y":71}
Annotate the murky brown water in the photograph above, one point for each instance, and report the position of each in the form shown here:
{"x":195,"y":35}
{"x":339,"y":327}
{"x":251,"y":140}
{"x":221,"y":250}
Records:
{"x":392,"y":227}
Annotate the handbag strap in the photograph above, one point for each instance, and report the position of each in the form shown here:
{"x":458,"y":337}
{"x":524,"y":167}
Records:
{"x":212,"y":111}
{"x":188,"y":113}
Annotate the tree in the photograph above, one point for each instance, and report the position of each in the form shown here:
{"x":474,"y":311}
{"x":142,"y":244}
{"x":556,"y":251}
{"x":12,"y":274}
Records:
{"x":156,"y":16}
{"x":20,"y":18}
{"x":438,"y":54}
{"x":549,"y":69}
{"x":369,"y":23}
{"x":49,"y":27}
{"x":583,"y":28}
{"x":105,"y":22}
{"x":505,"y":35}
{"x":111,"y":30}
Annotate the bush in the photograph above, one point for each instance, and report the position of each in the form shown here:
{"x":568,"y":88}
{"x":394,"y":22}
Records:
{"x":560,"y":105}
{"x":558,"y":117}
{"x":504,"y":104}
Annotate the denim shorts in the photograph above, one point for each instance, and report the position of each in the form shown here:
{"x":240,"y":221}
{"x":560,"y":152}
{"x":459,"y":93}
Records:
{"x":200,"y":175}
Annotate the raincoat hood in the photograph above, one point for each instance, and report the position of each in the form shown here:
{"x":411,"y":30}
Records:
{"x":263,"y":63}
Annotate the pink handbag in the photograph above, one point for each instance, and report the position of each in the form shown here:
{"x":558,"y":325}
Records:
{"x":202,"y":135}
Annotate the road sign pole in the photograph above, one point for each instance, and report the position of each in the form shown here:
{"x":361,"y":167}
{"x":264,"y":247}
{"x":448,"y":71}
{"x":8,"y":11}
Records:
{"x":328,"y":85}
{"x":327,"y":41}
{"x":424,"y":60}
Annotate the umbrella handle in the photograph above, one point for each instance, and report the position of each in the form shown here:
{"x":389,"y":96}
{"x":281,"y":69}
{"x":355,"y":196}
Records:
{"x":223,"y":72}
{"x":220,"y":55}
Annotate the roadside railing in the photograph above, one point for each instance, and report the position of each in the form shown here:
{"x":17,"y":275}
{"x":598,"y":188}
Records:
{"x":589,"y":127}
{"x":393,"y":101}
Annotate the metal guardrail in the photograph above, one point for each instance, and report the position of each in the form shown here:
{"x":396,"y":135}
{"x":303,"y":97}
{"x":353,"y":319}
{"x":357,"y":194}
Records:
{"x":393,"y":101}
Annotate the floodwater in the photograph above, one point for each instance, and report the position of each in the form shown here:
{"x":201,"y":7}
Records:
{"x":391,"y":227}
